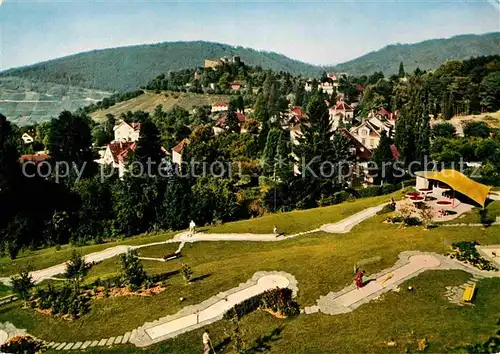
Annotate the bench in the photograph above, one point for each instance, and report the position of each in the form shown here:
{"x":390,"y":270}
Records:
{"x":469,"y":293}
{"x":172,"y":256}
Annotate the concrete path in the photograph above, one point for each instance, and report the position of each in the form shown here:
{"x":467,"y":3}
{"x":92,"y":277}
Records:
{"x":348,"y":223}
{"x":211,"y":310}
{"x":342,"y":226}
{"x":409,"y":265}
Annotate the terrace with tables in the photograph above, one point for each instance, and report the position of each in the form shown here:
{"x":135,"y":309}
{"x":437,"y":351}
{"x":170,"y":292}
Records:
{"x":448,"y":193}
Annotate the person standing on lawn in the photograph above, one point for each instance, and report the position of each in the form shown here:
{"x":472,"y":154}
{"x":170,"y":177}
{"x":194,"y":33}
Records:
{"x":207,"y":343}
{"x":359,"y":279}
{"x":192,"y":227}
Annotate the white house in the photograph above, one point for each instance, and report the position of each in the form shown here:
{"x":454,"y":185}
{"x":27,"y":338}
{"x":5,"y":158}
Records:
{"x":219,"y":107}
{"x":177,"y":152}
{"x":116,"y":155}
{"x":27,"y":139}
{"x":127,"y":131}
{"x":341,"y":112}
{"x":368,"y":134}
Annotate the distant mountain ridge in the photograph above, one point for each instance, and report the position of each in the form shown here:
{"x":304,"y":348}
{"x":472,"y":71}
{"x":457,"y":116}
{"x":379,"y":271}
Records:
{"x":127,"y":68}
{"x":426,"y":55}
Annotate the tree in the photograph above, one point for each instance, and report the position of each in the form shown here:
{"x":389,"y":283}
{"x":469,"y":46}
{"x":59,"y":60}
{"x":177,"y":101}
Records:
{"x":110,"y":126}
{"x":443,"y":130}
{"x":401,"y":72}
{"x":187,"y":273}
{"x":490,"y":92}
{"x":76,"y":269}
{"x":133,"y":273}
{"x":315,"y":141}
{"x":383,"y":158}
{"x":70,"y":139}
{"x":22,"y":285}
{"x":232,"y":122}
{"x":10,"y":172}
{"x":176,"y":206}
{"x":477,"y":129}
{"x":149,"y":145}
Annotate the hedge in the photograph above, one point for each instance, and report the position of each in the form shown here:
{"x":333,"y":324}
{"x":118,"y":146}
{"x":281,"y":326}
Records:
{"x":372,"y":191}
{"x":278,"y":300}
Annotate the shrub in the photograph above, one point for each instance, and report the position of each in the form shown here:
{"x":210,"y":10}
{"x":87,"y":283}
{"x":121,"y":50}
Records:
{"x":277,"y":300}
{"x":412,"y":221}
{"x":187,"y":273}
{"x":76,"y":268}
{"x":388,"y":208}
{"x":65,"y":300}
{"x":132,"y":271}
{"x":397,"y":219}
{"x":466,"y":251}
{"x":22,"y":284}
{"x":22,"y":344}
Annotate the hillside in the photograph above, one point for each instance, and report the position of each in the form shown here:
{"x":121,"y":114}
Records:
{"x":127,"y":68}
{"x":149,"y":101}
{"x":27,"y":102}
{"x":424,"y":55}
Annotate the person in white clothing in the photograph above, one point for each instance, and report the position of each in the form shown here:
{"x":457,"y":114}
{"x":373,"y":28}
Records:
{"x":192,"y":227}
{"x":207,"y":342}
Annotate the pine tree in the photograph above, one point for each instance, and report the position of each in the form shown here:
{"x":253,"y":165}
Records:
{"x":401,"y":70}
{"x":315,"y":141}
{"x":10,"y":172}
{"x":383,"y":158}
{"x":149,"y":145}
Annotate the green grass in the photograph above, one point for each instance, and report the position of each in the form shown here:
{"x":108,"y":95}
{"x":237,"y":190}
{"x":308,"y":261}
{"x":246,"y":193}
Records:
{"x":148,"y":102}
{"x":48,"y":257}
{"x":288,"y":223}
{"x":320,"y":262}
{"x":403,"y":317}
{"x":302,"y":220}
{"x":5,"y":290}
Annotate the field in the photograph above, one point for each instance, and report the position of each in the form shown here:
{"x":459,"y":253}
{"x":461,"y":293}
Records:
{"x":24,"y":102}
{"x":492,"y":119}
{"x":321,"y":263}
{"x":149,"y":101}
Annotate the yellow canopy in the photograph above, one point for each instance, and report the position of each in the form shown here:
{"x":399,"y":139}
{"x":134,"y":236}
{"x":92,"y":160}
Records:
{"x":476,"y":191}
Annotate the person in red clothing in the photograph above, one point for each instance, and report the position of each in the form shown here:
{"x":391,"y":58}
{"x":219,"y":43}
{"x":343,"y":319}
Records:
{"x":359,"y":279}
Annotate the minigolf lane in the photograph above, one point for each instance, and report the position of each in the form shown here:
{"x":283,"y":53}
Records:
{"x":416,"y":264}
{"x":211,"y":313}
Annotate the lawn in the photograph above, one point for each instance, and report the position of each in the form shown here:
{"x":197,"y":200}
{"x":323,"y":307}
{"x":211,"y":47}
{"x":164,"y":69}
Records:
{"x":289,"y":223}
{"x":320,"y":262}
{"x":403,"y":317}
{"x":302,"y":220}
{"x":48,"y":257}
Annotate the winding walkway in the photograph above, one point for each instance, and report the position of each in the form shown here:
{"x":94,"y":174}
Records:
{"x":409,"y":265}
{"x":342,"y":226}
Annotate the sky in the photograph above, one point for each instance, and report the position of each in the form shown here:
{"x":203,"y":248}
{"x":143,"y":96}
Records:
{"x":317,"y":32}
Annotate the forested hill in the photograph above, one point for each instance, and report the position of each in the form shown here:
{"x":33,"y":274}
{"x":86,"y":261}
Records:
{"x":127,"y":68}
{"x":425,"y":55}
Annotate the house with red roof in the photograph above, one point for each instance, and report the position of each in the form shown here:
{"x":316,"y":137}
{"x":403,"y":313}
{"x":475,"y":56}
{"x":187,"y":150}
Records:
{"x":220,"y":124}
{"x":341,"y":112}
{"x":124,"y":131}
{"x":362,"y":152}
{"x":178,"y":150}
{"x":35,"y":158}
{"x":220,"y":107}
{"x":116,"y":155}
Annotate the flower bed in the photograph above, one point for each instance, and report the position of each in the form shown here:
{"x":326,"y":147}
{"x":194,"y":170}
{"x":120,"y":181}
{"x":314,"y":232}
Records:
{"x":417,"y":198}
{"x":443,"y":202}
{"x":467,"y":252}
{"x":412,"y":194}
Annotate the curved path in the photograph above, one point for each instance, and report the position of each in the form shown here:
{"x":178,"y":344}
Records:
{"x":343,"y":226}
{"x":409,"y":265}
